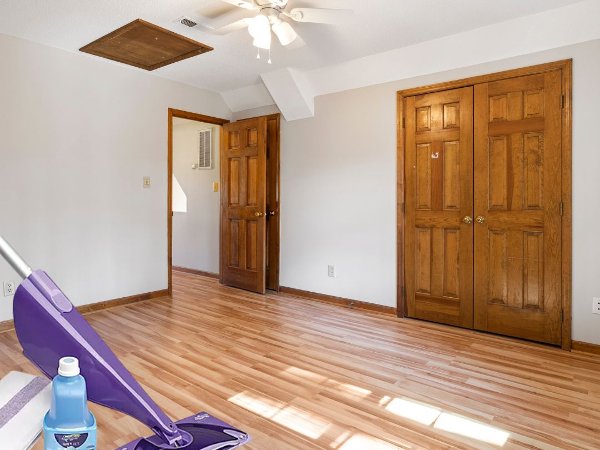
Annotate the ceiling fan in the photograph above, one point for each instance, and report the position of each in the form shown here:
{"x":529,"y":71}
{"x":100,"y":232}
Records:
{"x":263,"y":16}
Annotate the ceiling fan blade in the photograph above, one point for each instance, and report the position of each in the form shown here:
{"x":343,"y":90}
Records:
{"x":327,"y":4}
{"x":234,"y":26}
{"x":245,"y":4}
{"x":226,"y":23}
{"x":316,"y":15}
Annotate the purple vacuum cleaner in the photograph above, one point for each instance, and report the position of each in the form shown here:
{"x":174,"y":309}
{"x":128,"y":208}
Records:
{"x":49,"y":327}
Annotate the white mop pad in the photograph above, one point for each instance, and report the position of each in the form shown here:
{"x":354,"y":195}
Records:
{"x":24,"y":400}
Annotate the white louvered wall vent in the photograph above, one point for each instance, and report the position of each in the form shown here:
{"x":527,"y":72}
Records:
{"x":205,"y":150}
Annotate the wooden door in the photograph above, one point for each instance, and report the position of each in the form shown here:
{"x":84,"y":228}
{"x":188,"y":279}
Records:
{"x":439,"y":207}
{"x":518,"y":206}
{"x":243,"y":204}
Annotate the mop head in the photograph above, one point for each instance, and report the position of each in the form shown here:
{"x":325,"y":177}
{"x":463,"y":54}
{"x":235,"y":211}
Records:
{"x":24,"y":400}
{"x":208,"y":433}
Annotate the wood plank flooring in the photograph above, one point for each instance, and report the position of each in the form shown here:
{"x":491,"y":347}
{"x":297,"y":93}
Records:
{"x":299,"y":374}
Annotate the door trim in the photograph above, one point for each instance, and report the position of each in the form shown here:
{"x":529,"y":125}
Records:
{"x":198,"y":118}
{"x":566,"y":66}
{"x":274,"y":184}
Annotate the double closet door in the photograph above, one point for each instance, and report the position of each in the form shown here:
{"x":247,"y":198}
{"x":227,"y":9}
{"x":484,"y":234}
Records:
{"x":483,"y":206}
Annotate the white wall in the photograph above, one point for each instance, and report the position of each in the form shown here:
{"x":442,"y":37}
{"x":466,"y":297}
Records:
{"x":77,"y":136}
{"x":338,"y":187}
{"x":256,"y":112}
{"x":196,"y":232}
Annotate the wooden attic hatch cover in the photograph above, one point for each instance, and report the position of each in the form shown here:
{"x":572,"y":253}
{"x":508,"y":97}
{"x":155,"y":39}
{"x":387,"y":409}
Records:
{"x":145,"y":45}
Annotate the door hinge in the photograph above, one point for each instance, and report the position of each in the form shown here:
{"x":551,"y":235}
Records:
{"x":403,"y":122}
{"x":562,"y":101}
{"x":562,"y":209}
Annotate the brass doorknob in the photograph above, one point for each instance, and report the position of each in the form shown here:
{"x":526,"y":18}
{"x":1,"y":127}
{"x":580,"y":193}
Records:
{"x":480,"y":219}
{"x":272,"y":213}
{"x":259,"y":214}
{"x":468,"y":220}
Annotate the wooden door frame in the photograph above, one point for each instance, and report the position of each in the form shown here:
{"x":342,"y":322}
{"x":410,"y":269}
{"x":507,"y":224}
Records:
{"x":178,"y":113}
{"x":275,"y":271}
{"x":566,"y":66}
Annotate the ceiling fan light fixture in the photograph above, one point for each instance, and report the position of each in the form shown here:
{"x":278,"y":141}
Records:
{"x":284,"y":32}
{"x":260,"y":30}
{"x":259,"y":27}
{"x":263,"y":42}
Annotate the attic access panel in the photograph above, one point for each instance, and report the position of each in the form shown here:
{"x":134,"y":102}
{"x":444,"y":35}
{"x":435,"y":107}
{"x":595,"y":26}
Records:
{"x":145,"y":45}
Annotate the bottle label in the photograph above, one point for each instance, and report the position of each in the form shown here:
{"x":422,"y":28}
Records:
{"x":71,"y":440}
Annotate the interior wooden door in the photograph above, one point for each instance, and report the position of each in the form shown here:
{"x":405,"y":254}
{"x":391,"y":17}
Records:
{"x":439,"y":207}
{"x":243,"y":204}
{"x":518,"y":207}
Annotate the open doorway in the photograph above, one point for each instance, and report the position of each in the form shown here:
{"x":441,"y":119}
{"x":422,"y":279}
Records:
{"x":218,"y":171}
{"x":193,"y":211}
{"x":196,"y":196}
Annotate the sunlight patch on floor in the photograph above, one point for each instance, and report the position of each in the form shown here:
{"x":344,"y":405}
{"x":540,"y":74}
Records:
{"x":347,"y":388}
{"x":428,"y":415}
{"x":384,"y":400}
{"x":314,"y":426}
{"x":301,"y":422}
{"x":292,"y":417}
{"x":409,"y":409}
{"x":340,"y":439}
{"x":471,"y":429}
{"x":351,"y":389}
{"x":262,"y":406}
{"x":364,"y":442}
{"x":296,"y":371}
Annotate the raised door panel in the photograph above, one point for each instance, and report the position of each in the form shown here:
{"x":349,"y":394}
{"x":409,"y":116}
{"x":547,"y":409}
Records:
{"x":243,"y":203}
{"x":439,"y":194}
{"x":517,"y":196}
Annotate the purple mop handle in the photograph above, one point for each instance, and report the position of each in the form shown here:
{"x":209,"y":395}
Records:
{"x":13,"y":258}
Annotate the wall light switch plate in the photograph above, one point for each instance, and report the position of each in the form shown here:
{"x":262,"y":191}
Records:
{"x":9,"y":288}
{"x":215,"y":186}
{"x":596,"y":304}
{"x":147,"y":182}
{"x":331,"y":271}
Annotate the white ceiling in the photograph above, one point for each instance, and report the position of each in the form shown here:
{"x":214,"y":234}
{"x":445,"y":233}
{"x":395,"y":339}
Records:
{"x":378,"y":25}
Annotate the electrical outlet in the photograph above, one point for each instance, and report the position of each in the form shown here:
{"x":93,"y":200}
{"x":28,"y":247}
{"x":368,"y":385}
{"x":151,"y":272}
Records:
{"x":9,"y":288}
{"x":331,"y":271}
{"x":147,"y":182}
{"x":596,"y":305}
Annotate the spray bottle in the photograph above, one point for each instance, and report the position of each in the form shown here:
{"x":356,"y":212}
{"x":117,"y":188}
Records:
{"x":69,"y":424}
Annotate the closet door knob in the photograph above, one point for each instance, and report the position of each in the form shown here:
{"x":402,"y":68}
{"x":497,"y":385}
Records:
{"x":259,"y":214}
{"x":480,"y":220}
{"x":468,"y":220}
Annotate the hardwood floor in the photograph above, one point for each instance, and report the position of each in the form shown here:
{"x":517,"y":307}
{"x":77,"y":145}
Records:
{"x":299,"y":374}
